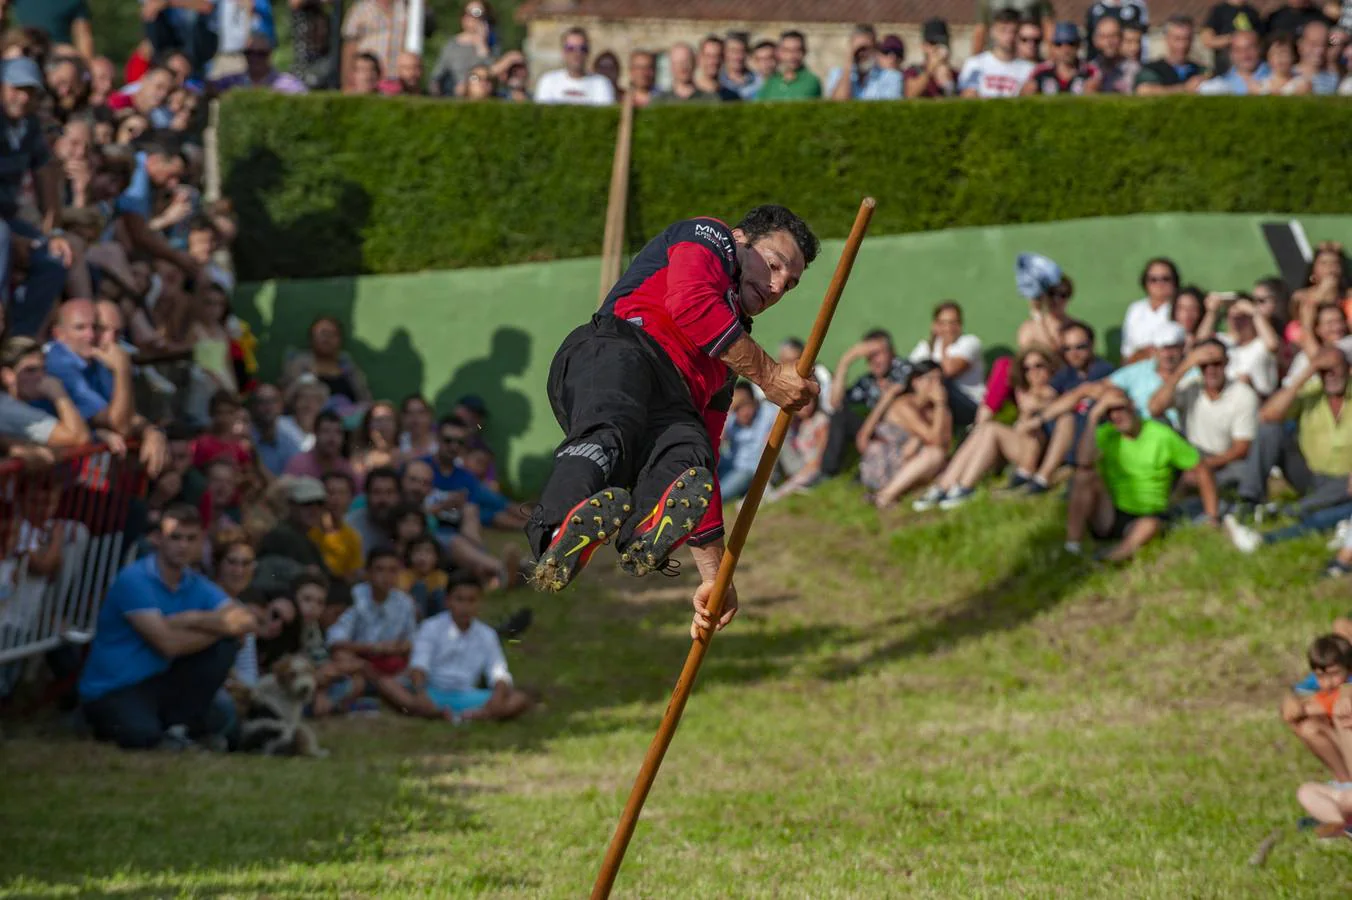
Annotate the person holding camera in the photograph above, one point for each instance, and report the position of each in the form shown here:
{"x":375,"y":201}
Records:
{"x":936,"y":77}
{"x":868,"y":78}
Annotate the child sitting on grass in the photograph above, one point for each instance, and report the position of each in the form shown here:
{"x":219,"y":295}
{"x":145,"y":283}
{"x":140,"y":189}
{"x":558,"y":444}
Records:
{"x":453,"y":654}
{"x":339,"y":684}
{"x":377,"y":629}
{"x":422,"y":579}
{"x":1310,"y":715}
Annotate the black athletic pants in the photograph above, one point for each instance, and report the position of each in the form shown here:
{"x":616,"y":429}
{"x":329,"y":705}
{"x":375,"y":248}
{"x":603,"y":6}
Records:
{"x":628,"y":421}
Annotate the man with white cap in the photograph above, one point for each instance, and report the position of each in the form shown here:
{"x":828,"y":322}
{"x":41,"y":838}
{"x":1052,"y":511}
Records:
{"x":1140,"y":380}
{"x":47,"y":252}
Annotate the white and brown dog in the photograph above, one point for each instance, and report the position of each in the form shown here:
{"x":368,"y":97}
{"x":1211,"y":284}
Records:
{"x":272,"y":722}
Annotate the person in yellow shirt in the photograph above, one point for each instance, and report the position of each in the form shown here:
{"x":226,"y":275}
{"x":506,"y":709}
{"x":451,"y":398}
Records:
{"x":338,"y":542}
{"x":422,"y":578}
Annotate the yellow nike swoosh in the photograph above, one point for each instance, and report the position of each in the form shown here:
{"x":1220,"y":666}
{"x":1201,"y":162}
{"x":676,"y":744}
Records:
{"x":581,"y":543}
{"x":666,"y":520}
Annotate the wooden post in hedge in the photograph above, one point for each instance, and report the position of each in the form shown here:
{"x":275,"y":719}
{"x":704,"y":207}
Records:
{"x":612,"y":243}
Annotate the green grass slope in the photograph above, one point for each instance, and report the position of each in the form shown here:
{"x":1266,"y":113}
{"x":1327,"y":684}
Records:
{"x":912,"y":706}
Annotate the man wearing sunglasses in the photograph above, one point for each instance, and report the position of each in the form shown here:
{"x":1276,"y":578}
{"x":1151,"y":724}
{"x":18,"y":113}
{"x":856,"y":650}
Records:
{"x":1064,"y":73}
{"x":642,"y":392}
{"x":572,"y":84}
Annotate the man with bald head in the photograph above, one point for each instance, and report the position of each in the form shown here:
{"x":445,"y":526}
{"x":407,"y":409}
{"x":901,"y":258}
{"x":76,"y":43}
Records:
{"x":408,"y":80}
{"x":683,"y":90}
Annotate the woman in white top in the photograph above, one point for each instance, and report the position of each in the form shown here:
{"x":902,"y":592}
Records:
{"x":1159,"y":280}
{"x":958,"y":356}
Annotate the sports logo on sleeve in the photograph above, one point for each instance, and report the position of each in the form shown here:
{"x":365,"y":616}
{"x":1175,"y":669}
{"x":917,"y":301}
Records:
{"x":717,"y":238}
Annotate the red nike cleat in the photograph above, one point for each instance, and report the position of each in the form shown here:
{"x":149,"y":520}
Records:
{"x":587,"y":528}
{"x":666,"y":528}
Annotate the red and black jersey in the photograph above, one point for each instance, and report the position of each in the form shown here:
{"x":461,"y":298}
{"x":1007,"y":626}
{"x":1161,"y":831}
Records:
{"x":682,"y":290}
{"x":1049,"y":81}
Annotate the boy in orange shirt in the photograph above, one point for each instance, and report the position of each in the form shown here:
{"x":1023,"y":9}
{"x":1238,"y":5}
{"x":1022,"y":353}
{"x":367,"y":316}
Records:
{"x":1311,"y":716}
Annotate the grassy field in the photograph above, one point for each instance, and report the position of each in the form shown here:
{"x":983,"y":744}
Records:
{"x":918,"y":706}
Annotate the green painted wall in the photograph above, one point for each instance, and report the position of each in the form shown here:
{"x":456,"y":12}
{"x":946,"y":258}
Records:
{"x":494,"y":331}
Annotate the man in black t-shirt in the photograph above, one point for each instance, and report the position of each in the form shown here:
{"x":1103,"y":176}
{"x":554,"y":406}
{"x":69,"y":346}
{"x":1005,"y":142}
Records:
{"x":1293,"y":16}
{"x":1224,"y":20}
{"x":1174,"y":73}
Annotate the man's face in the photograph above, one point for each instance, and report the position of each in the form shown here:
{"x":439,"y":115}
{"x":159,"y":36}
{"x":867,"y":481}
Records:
{"x":19,"y":101}
{"x":340,"y":496}
{"x":1076,"y":348}
{"x":1177,"y":42}
{"x":763,"y":61}
{"x":1213,"y":374}
{"x":155,"y":88}
{"x":1331,"y":678}
{"x":308,"y":515}
{"x":771,"y":267}
{"x":682,"y":64}
{"x":1244,"y":52}
{"x":1331,"y":326}
{"x":75,"y":142}
{"x":267,"y":405}
{"x":1335,"y":378}
{"x":575,"y":53}
{"x":1314,"y":38}
{"x":1108,"y":38}
{"x":383,"y":573}
{"x":75,"y":327}
{"x":63,"y":80}
{"x":180,"y":543}
{"x":463,"y":603}
{"x":180,"y":68}
{"x":258,"y":57}
{"x":1066,"y":53}
{"x":410,"y":69}
{"x":329,"y":439}
{"x":1003,"y":35}
{"x":734,"y":54}
{"x":417,"y":482}
{"x":27,"y":377}
{"x":102,"y":74}
{"x":382,"y":495}
{"x":642,"y":71}
{"x":1030,"y":41}
{"x":108,"y":323}
{"x":222,"y":483}
{"x":1131,"y":44}
{"x":710,"y":59}
{"x":180,"y":456}
{"x":790,"y":54}
{"x":165,"y":171}
{"x":451,"y":442}
{"x":224,"y":418}
{"x":1168,"y":358}
{"x":789,"y":355}
{"x":880,"y":355}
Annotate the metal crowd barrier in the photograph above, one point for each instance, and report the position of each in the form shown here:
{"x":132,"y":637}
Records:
{"x":64,"y":535}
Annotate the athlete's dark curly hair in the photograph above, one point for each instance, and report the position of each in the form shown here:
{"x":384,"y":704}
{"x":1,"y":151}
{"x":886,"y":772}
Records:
{"x":769,"y":218}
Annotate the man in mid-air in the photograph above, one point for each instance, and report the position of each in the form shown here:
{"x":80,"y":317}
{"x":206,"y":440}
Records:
{"x":642,"y":391}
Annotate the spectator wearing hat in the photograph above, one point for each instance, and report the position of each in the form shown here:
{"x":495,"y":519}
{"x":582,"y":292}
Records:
{"x":792,"y":80}
{"x":1173,"y":73}
{"x":286,"y":549}
{"x":259,"y":71}
{"x":1140,"y":380}
{"x":1039,"y":12}
{"x":1064,"y":73}
{"x":1125,"y":471}
{"x":998,"y":72}
{"x":867,"y":79}
{"x":48,"y":254}
{"x":935,"y":77}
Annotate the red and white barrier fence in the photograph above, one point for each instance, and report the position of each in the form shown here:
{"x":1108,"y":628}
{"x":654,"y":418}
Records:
{"x":63,"y":538}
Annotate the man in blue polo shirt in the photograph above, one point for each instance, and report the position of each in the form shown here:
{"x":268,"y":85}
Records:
{"x":166,"y":640}
{"x":448,"y":475}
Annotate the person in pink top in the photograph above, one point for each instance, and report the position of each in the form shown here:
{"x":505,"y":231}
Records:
{"x":327,"y":455}
{"x":259,"y":72}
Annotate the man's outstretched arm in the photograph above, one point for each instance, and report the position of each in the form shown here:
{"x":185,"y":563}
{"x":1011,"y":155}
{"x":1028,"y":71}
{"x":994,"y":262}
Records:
{"x":783,"y":386}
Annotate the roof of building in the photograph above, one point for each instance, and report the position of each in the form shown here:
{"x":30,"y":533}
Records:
{"x":812,"y":11}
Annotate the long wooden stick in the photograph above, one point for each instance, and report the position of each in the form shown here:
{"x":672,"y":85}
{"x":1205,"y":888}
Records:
{"x":612,"y":243}
{"x":610,"y":867}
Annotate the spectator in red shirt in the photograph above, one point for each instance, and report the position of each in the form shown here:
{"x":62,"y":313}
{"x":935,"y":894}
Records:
{"x":228,"y":436}
{"x":643,"y":389}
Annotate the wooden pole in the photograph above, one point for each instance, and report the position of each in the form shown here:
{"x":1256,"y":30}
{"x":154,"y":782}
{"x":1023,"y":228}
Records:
{"x":612,"y":243}
{"x":610,"y":867}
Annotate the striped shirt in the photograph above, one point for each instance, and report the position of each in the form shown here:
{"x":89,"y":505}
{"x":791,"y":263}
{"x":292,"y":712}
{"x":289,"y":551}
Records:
{"x":378,"y":29}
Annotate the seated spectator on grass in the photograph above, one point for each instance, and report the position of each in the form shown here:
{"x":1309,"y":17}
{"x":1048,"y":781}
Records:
{"x":1327,"y":281}
{"x":1249,"y":337}
{"x":1218,"y":413}
{"x":1048,"y":292}
{"x":457,"y":525}
{"x":737,"y":74}
{"x":862,"y":78}
{"x":220,"y":504}
{"x":919,"y":420}
{"x":1159,"y":280}
{"x":1141,"y":380}
{"x":305,"y":400}
{"x":233,"y":560}
{"x":1117,"y":72}
{"x":48,"y":256}
{"x":1189,"y":309}
{"x":473,"y":410}
{"x":418,"y":436}
{"x":372,"y":519}
{"x":453,"y":653}
{"x":1174,"y":72}
{"x":1328,"y":329}
{"x":338,"y":687}
{"x":98,"y":379}
{"x":748,"y":426}
{"x":1065,"y":72}
{"x":495,"y":510}
{"x":1064,"y":419}
{"x":800,"y":459}
{"x":1310,"y":714}
{"x":847,"y":399}
{"x":791,"y":80}
{"x":286,"y":549}
{"x":572,"y":84}
{"x":998,"y":72}
{"x":935,"y":77}
{"x":408,"y":77}
{"x":423,"y":578}
{"x":327,"y":361}
{"x":1315,"y":459}
{"x":329,"y":451}
{"x":378,"y":627}
{"x":959,"y":358}
{"x":338,"y":542}
{"x":25,"y":381}
{"x":1247,"y":73}
{"x":409,"y":523}
{"x":375,"y":443}
{"x":259,"y":71}
{"x":992,"y":444}
{"x":274,"y":443}
{"x":180,"y":482}
{"x":166,"y":640}
{"x":472,"y":46}
{"x":228,"y":436}
{"x":790,"y":351}
{"x":1125,"y":471}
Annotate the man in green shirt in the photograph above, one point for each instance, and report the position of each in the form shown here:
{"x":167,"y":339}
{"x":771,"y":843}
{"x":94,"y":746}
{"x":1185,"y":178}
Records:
{"x":65,"y":21}
{"x":1126,"y":469}
{"x":792,"y":81}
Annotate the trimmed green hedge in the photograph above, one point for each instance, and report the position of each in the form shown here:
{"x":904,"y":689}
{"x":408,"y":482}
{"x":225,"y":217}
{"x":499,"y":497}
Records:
{"x":332,"y":185}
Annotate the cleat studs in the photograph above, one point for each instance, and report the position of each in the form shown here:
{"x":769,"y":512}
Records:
{"x":610,"y":495}
{"x":679,"y":485}
{"x":693,"y":472}
{"x":617,"y":521}
{"x":627,"y":507}
{"x":670,"y":503}
{"x":594,"y":502}
{"x":598,"y":520}
{"x":577,"y":520}
{"x":708,"y":487}
{"x":685,"y":502}
{"x":625,"y":557}
{"x":600,"y":535}
{"x":703,"y":501}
